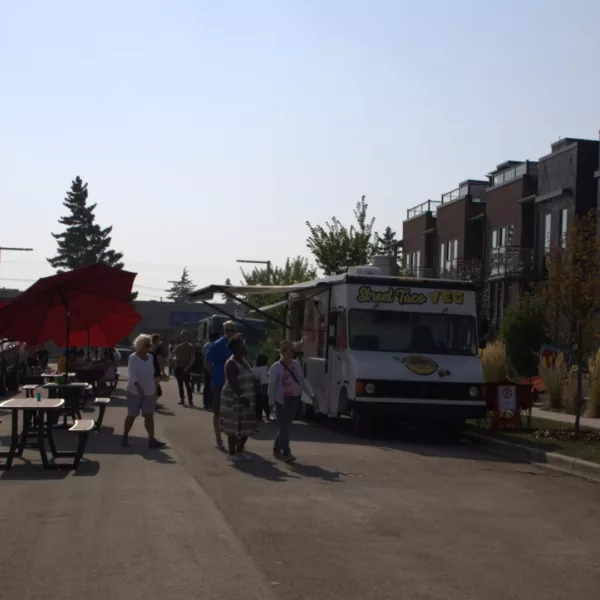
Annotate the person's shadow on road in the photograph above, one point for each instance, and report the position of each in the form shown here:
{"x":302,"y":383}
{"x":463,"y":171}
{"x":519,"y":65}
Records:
{"x":263,"y":469}
{"x":316,"y":472}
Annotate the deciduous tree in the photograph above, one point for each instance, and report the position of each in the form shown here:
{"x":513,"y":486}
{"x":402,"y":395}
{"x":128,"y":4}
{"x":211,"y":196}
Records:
{"x":336,"y":247}
{"x":573,"y":293}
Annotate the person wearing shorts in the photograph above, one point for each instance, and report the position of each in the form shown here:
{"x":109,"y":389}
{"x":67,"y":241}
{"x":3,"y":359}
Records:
{"x":217,"y":355}
{"x":141,"y":391}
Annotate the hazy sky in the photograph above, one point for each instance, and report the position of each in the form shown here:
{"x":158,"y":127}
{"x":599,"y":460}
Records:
{"x":212,"y":130}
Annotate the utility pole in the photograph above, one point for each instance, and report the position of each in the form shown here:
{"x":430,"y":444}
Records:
{"x":7,"y":249}
{"x":259,"y":262}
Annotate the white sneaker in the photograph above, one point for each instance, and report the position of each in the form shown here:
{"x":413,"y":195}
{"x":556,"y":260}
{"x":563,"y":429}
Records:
{"x":234,"y":458}
{"x":245,"y":456}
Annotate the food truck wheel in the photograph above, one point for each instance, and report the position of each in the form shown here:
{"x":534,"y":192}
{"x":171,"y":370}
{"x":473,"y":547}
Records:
{"x":363,"y":425}
{"x":308,"y":412}
{"x":452,"y":429}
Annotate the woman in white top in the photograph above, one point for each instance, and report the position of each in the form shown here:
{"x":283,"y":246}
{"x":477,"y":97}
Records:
{"x":141,"y":391}
{"x":286,"y":384}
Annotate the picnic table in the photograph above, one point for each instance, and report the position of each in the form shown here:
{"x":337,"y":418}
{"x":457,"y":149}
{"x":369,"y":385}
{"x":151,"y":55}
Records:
{"x":38,"y":427}
{"x":71,"y":393}
{"x":49,"y":376}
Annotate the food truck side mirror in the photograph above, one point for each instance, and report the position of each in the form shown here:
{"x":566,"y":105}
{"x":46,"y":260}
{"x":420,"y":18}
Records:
{"x":331,"y":332}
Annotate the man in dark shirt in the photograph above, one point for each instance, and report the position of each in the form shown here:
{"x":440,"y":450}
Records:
{"x":217,"y":355}
{"x":184,"y":359}
{"x":159,"y":365}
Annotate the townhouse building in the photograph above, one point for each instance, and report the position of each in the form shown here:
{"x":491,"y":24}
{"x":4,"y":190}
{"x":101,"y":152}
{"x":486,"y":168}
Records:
{"x":497,"y":232}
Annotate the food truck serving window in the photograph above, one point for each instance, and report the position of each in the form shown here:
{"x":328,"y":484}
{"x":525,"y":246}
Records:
{"x":425,"y":333}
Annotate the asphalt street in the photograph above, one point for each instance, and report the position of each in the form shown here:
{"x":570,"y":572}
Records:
{"x":402,"y":516}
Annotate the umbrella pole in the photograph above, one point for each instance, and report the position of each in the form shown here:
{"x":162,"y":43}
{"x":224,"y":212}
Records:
{"x":67,"y":344}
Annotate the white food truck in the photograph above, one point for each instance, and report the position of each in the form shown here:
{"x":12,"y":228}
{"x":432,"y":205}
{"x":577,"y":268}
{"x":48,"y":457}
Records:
{"x":380,"y":347}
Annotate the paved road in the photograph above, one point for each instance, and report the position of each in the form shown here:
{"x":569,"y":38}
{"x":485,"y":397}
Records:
{"x":401,"y":519}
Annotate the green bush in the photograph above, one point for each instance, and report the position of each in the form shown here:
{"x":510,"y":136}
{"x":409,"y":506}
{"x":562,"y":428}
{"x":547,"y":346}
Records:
{"x":523,"y":331}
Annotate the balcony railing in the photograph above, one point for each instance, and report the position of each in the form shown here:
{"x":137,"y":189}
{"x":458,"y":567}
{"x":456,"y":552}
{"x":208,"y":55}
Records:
{"x":429,"y":206}
{"x":456,"y":194}
{"x":420,"y":272}
{"x":515,"y":172}
{"x":511,"y":261}
{"x":464,"y":269}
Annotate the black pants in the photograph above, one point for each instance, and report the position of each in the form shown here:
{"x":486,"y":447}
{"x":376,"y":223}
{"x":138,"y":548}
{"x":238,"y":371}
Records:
{"x":207,"y":393}
{"x":183,"y":378}
{"x":262,"y":405}
{"x":236,"y":443}
{"x":196,"y":379}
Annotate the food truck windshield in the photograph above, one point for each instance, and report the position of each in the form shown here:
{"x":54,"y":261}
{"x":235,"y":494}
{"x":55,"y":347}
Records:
{"x":425,"y":333}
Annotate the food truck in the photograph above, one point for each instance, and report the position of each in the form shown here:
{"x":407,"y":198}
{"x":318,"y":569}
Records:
{"x":381,"y":347}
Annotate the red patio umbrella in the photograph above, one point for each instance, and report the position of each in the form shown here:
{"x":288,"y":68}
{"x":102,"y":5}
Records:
{"x":107,"y":333}
{"x":71,"y":301}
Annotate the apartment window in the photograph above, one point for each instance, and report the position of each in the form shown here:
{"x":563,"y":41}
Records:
{"x":547,"y":231}
{"x":499,"y":237}
{"x":563,"y":227}
{"x":448,"y":254}
{"x":414,"y":260}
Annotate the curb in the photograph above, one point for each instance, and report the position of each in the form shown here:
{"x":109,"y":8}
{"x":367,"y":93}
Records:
{"x":552,"y":460}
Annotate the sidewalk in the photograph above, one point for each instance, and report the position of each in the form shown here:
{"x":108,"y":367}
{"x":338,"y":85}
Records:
{"x":563,"y":418}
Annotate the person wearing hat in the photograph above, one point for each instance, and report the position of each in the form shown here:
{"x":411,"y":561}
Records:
{"x":286,"y":384}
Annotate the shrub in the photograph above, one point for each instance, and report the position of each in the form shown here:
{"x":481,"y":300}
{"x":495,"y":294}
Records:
{"x":593,"y":407}
{"x":493,"y":359}
{"x":556,"y":378}
{"x":570,"y":392}
{"x":523,"y":331}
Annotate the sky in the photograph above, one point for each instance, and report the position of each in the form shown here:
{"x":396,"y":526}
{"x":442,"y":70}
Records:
{"x":212,"y":131}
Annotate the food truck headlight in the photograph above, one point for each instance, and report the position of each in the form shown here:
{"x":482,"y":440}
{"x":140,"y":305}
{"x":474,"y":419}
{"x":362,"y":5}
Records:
{"x":370,"y":388}
{"x":474,"y":391}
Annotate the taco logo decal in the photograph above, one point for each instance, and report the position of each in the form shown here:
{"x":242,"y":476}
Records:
{"x":419,"y":365}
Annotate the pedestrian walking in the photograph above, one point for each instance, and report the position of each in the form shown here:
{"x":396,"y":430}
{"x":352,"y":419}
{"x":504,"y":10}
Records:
{"x":140,"y":391}
{"x":184,"y":359}
{"x":171,"y":358}
{"x":238,"y":412}
{"x":196,"y":370}
{"x":217,"y":355}
{"x":207,"y":372}
{"x":286,"y":384}
{"x":158,"y":361}
{"x":261,"y":373}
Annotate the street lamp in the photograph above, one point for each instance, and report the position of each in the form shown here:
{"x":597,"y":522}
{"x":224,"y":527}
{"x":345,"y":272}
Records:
{"x":259,"y":262}
{"x":5,"y":249}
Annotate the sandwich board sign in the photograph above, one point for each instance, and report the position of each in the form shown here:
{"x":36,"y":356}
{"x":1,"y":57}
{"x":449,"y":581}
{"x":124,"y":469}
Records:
{"x":507,"y":398}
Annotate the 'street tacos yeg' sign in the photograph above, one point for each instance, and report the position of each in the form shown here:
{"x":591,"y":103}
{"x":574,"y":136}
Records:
{"x":408,"y":296}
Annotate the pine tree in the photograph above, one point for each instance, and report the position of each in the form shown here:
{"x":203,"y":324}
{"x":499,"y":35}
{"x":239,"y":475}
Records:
{"x":181,"y":289}
{"x":83,"y":242}
{"x":228,"y":299}
{"x":387,"y":245}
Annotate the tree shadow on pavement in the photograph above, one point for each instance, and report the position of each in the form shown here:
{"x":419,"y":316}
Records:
{"x":263,"y":469}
